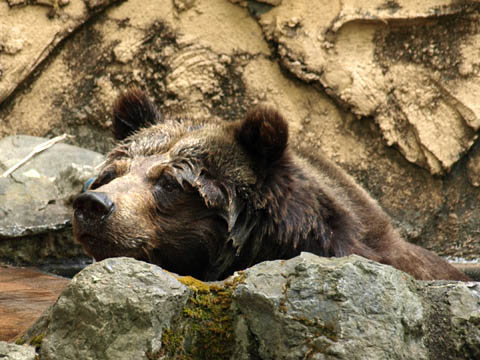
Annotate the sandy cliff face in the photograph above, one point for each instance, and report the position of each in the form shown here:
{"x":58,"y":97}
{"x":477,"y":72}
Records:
{"x":388,"y":89}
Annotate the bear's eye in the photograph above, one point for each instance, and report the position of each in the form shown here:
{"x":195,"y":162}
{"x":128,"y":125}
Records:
{"x":168,"y":183}
{"x":104,"y":178}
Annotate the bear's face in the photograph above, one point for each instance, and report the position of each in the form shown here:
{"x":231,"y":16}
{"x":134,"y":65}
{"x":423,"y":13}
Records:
{"x":179,"y":193}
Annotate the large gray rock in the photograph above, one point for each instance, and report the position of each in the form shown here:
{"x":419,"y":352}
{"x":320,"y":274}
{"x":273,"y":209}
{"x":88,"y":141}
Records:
{"x":116,"y":309}
{"x":345,"y":308}
{"x":304,"y":308}
{"x":31,"y":197}
{"x":452,"y":322}
{"x":16,"y":352}
{"x":351,"y":308}
{"x":34,"y":199}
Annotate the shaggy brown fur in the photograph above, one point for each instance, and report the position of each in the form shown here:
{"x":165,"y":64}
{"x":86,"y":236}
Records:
{"x":208,"y":197}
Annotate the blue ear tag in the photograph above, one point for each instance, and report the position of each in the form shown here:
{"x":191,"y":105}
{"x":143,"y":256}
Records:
{"x":88,"y":183}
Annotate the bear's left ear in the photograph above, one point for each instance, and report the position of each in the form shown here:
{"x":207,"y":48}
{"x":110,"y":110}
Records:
{"x":133,"y":110}
{"x":263,"y":134}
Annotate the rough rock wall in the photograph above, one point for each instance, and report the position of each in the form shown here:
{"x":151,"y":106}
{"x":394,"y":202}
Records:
{"x":388,"y":89}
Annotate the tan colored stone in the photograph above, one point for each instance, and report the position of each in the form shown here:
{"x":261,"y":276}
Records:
{"x":221,"y":26}
{"x":358,"y":51}
{"x":473,"y":168}
{"x":28,"y":35}
{"x":271,"y":2}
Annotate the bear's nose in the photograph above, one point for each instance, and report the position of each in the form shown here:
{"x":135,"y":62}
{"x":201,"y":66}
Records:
{"x":93,"y":206}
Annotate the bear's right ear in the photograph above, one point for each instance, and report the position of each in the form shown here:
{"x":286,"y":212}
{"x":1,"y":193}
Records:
{"x":133,"y":110}
{"x":263,"y":134}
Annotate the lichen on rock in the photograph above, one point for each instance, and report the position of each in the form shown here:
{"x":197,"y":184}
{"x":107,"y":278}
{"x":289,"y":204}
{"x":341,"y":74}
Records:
{"x":204,"y":328}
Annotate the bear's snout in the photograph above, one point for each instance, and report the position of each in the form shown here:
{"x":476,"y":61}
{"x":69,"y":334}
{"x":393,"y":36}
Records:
{"x":92,"y":206}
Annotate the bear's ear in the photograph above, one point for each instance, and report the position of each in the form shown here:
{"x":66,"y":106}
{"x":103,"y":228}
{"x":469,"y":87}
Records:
{"x":264,"y":134}
{"x":133,"y":110}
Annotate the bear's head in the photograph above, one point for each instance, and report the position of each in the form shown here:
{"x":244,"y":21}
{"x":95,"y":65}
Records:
{"x":185,"y":194}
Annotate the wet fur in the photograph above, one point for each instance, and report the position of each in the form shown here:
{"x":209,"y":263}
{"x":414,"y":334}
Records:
{"x":208,"y":197}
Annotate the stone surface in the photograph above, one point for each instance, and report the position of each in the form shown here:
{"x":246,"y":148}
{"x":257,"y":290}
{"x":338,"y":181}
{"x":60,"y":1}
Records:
{"x":30,"y":35}
{"x":350,"y":308}
{"x":305,"y":307}
{"x":16,"y":2}
{"x":96,"y":4}
{"x":35,"y":210}
{"x":116,"y":309}
{"x":16,"y":352}
{"x":32,"y":198}
{"x":319,"y":308}
{"x":473,"y":167}
{"x":394,"y":61}
{"x":452,"y":320}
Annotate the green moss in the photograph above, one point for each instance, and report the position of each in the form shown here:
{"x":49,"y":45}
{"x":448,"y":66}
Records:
{"x":34,"y":341}
{"x":239,"y":278}
{"x":21,"y":341}
{"x":204,"y":329}
{"x":172,"y":347}
{"x":37,"y":341}
{"x":194,"y":284}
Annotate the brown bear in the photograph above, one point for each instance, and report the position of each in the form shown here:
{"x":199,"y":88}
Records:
{"x":208,"y":197}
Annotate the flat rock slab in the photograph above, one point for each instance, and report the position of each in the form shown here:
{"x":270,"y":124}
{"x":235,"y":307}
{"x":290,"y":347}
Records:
{"x":24,"y":295}
{"x":31,"y":198}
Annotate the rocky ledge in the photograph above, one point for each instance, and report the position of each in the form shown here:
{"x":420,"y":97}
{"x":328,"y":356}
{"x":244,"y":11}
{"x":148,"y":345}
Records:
{"x":304,"y":308}
{"x":35,"y":211}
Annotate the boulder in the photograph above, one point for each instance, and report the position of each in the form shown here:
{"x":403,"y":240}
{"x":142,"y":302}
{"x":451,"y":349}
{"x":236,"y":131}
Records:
{"x":116,"y":309}
{"x":351,"y":308}
{"x":34,"y":199}
{"x":307,"y":307}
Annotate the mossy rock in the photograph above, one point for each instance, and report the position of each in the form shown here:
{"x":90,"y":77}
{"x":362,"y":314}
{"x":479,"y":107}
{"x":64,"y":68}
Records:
{"x":204,"y":329}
